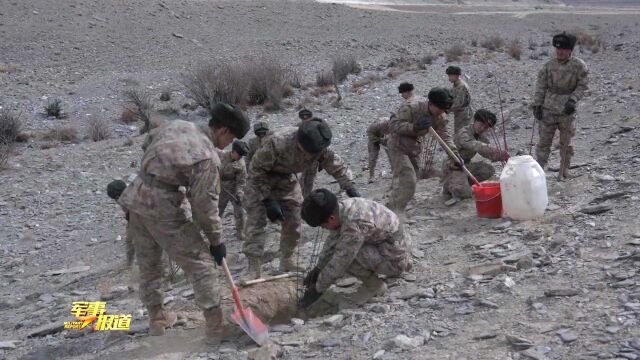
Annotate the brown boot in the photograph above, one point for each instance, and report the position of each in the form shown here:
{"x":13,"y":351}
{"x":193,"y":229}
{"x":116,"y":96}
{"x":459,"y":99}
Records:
{"x":215,"y":329}
{"x":255,"y":268}
{"x":160,"y":319}
{"x":288,"y":264}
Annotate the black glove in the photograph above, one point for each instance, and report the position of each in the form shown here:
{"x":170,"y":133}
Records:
{"x":218,"y":252}
{"x":311,"y":278}
{"x":274,"y":211}
{"x":353,"y":192}
{"x":423,"y":123}
{"x":310,"y":296}
{"x":570,"y":107}
{"x":537,"y":112}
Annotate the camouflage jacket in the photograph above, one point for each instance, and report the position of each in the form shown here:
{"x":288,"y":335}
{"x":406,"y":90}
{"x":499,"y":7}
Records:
{"x":363,"y":222}
{"x":233,"y":175}
{"x":461,"y":98}
{"x":402,"y":136}
{"x":281,"y":156}
{"x":378,"y":130}
{"x":254,"y":144}
{"x":178,"y":153}
{"x":559,"y":81}
{"x":469,"y":144}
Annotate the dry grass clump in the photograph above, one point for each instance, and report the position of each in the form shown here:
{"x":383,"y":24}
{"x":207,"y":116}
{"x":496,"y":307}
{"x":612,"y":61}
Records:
{"x":515,"y":49}
{"x":324,"y":79}
{"x":367,"y":80}
{"x":98,"y":129}
{"x":61,"y":133}
{"x":269,"y":83}
{"x":212,"y":84}
{"x":427,"y":59}
{"x":343,"y":65}
{"x":139,"y":107}
{"x":454,"y":53}
{"x":10,"y":127}
{"x":493,"y":43}
{"x":54,"y":108}
{"x":8,"y":68}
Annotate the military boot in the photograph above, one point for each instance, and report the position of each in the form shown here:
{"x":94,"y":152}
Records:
{"x":371,"y":286}
{"x":288,"y":264}
{"x":255,"y":268}
{"x":160,"y":319}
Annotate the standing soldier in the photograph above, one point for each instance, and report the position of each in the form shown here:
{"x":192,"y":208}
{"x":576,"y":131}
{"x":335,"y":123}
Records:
{"x":274,"y":192}
{"x":181,"y":154}
{"x":562,"y":82}
{"x":408,"y":129}
{"x":260,"y":129}
{"x":472,"y":140}
{"x":376,"y":137}
{"x":461,"y":107}
{"x":233,"y":178}
{"x":366,"y":240}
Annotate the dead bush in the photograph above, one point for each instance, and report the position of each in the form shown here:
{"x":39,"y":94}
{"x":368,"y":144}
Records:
{"x":165,"y":95}
{"x":367,"y":80}
{"x":395,"y":72}
{"x":454,"y":53}
{"x":54,"y":108}
{"x":532,"y":44}
{"x":474,"y":42}
{"x":268,"y":82}
{"x":307,"y":103}
{"x":515,"y":49}
{"x":8,"y":68}
{"x":61,"y":133}
{"x":343,"y":65}
{"x":98,"y":129}
{"x":322,"y":90}
{"x":140,"y":106}
{"x":584,"y":38}
{"x":128,"y":116}
{"x":493,"y":43}
{"x":212,"y":84}
{"x":295,"y":79}
{"x":10,"y":127}
{"x":324,"y":78}
{"x":427,"y":59}
{"x":6,"y":151}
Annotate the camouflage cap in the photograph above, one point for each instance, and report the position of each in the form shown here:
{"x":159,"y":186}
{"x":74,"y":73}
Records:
{"x":305,"y":114}
{"x":486,"y":117}
{"x":564,"y":41}
{"x":441,"y":97}
{"x":405,"y":87}
{"x":261,"y":127}
{"x":231,"y":117}
{"x":318,"y":206}
{"x":240,"y":147}
{"x":115,"y":189}
{"x":314,"y":135}
{"x":453,"y":70}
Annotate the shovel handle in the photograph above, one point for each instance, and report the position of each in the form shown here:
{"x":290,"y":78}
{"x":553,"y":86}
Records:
{"x":234,"y":289}
{"x":453,"y":155}
{"x":262,"y":280}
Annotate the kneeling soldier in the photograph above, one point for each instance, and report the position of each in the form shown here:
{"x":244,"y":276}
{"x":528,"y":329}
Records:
{"x":366,"y":240}
{"x":472,"y":140}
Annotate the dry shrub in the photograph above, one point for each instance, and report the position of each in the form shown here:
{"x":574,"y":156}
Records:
{"x":395,"y":72}
{"x":128,"y":116}
{"x":367,"y":80}
{"x":54,"y":108}
{"x":8,"y":68}
{"x":343,"y":65}
{"x":324,"y":78}
{"x":583,"y":38}
{"x":427,"y":59}
{"x":140,"y":106}
{"x":493,"y":43}
{"x":515,"y":49}
{"x":268,"y":82}
{"x":6,"y":151}
{"x":212,"y":84}
{"x":454,"y":53}
{"x":61,"y":133}
{"x":307,"y":103}
{"x":10,"y":127}
{"x":98,"y":129}
{"x":323,"y":90}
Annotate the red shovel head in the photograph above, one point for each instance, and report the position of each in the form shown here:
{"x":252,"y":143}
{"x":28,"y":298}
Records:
{"x":251,"y":325}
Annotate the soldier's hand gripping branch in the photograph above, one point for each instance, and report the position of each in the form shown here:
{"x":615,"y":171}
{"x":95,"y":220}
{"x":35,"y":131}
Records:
{"x":274,"y":211}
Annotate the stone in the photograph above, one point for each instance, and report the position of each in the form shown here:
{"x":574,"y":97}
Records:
{"x":268,"y":351}
{"x":486,"y":335}
{"x":378,"y":354}
{"x":333,"y":320}
{"x":328,"y":343}
{"x":525,"y":263}
{"x":49,"y":329}
{"x":188,"y":293}
{"x":178,"y":35}
{"x":451,"y":201}
{"x":503,"y":225}
{"x":379,"y":308}
{"x":346,"y":282}
{"x":419,"y":254}
{"x":409,"y":277}
{"x":297,"y":322}
{"x":518,"y":343}
{"x":567,"y":335}
{"x":604,"y":177}
{"x":408,"y":343}
{"x":533,"y":354}
{"x":115,"y":292}
{"x":561,"y":292}
{"x":8,"y":344}
{"x":47,"y":298}
{"x":285,"y":329}
{"x":596,"y":209}
{"x":491,"y":269}
{"x":72,"y":270}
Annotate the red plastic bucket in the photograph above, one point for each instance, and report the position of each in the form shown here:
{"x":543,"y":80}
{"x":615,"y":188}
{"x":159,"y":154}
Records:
{"x":488,"y":199}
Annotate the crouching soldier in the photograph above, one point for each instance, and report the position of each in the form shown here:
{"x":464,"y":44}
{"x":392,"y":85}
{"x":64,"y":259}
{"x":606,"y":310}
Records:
{"x":366,"y":240}
{"x":472,"y":140}
{"x":233,"y":177}
{"x":114,"y":190}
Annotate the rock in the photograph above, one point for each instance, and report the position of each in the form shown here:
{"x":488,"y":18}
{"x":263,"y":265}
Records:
{"x":596,"y":209}
{"x":285,"y":329}
{"x":72,"y":270}
{"x":115,"y":292}
{"x":346,"y":282}
{"x":327,"y":343}
{"x":464,"y":309}
{"x":47,"y":298}
{"x":138,"y":328}
{"x":188,"y":293}
{"x":451,"y":202}
{"x":491,"y":269}
{"x":518,"y":343}
{"x":409,"y":277}
{"x":525,"y":263}
{"x":178,"y":35}
{"x":419,"y":254}
{"x":486,"y":335}
{"x":533,"y":354}
{"x":407,"y":343}
{"x":567,"y":335}
{"x":378,"y":354}
{"x":410,"y":293}
{"x":297,"y":322}
{"x":560,"y":292}
{"x":502,"y":226}
{"x":379,"y":308}
{"x":604,"y":177}
{"x":8,"y":344}
{"x":52,"y":328}
{"x":333,"y":320}
{"x":268,"y":351}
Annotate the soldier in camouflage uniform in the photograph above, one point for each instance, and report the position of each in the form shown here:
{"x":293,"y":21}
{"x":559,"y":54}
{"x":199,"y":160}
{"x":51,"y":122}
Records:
{"x":561,"y":84}
{"x":308,"y":177}
{"x":461,"y":107}
{"x":261,"y":130}
{"x":408,"y":128}
{"x":472,"y":140}
{"x":376,"y":137}
{"x":274,"y":192}
{"x":233,"y":177}
{"x":366,"y":240}
{"x":181,"y":154}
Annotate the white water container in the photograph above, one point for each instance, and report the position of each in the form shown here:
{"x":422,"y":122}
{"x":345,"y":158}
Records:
{"x":524,"y":189}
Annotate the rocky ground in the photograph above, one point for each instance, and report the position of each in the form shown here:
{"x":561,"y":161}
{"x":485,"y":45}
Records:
{"x":561,"y":287}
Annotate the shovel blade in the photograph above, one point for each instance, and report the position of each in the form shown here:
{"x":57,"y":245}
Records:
{"x":251,"y":325}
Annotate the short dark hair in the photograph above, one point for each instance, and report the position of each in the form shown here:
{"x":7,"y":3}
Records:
{"x":405,"y":87}
{"x":318,"y":206}
{"x":486,"y":117}
{"x":454,"y":70}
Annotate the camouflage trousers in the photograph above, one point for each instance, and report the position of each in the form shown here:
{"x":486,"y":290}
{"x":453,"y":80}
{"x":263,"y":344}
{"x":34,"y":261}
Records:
{"x":286,"y":191}
{"x":308,"y":178}
{"x":456,"y":183}
{"x":461,"y":119}
{"x":403,"y":185}
{"x":547,"y":127}
{"x":373,"y":146}
{"x":184,"y":244}
{"x":390,"y":258}
{"x":239,"y":215}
